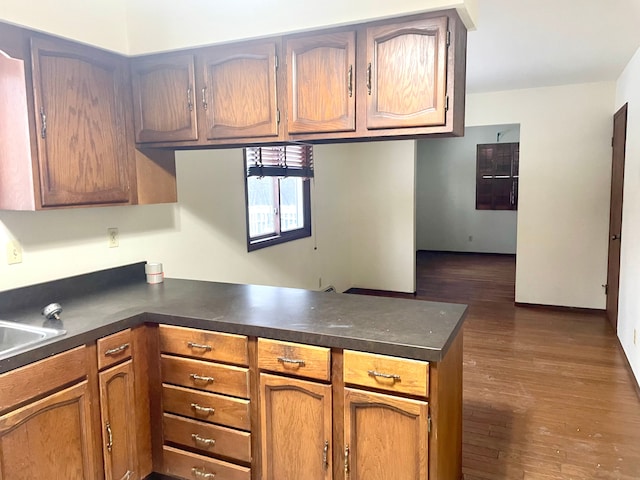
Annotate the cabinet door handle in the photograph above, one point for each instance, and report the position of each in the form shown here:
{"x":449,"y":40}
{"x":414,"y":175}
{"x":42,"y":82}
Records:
{"x":369,"y":79}
{"x":43,"y":123}
{"x":203,"y":410}
{"x":199,"y":378}
{"x":117,"y":350}
{"x":391,"y":376}
{"x":208,"y":348}
{"x":189,"y":101}
{"x":202,"y":473}
{"x":209,"y":442}
{"x":300,"y":363}
{"x":346,"y":460}
{"x":205,"y":105}
{"x":109,"y":437}
{"x":325,"y":455}
{"x":350,"y":80}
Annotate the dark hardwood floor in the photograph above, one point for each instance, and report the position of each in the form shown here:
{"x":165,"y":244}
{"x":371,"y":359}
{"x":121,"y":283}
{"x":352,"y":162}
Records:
{"x":547,"y":393}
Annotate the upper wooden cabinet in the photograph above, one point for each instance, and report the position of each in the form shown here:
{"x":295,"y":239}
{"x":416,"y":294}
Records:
{"x":80,"y":99}
{"x":164,"y":98}
{"x":321,"y":83}
{"x":406,"y":74}
{"x":239,"y":91}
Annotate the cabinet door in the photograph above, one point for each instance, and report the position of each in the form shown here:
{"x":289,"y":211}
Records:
{"x":164,"y":99}
{"x":50,"y":438}
{"x":406,"y":74}
{"x":117,"y":411}
{"x":80,"y":97}
{"x":240,"y":95}
{"x":320,"y":79}
{"x":385,"y":436}
{"x":296,"y":424}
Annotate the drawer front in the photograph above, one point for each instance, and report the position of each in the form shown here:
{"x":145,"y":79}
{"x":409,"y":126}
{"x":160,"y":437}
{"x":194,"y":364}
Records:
{"x":212,"y":439}
{"x":179,"y":463}
{"x":209,"y":407}
{"x":294,"y":359}
{"x":212,"y":377}
{"x":387,"y":373}
{"x":115,"y":348}
{"x":189,"y":342}
{"x":24,"y":383}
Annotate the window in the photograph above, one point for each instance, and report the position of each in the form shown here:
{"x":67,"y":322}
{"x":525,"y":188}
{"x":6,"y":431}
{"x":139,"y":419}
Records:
{"x":278,"y":194}
{"x":497,"y":166}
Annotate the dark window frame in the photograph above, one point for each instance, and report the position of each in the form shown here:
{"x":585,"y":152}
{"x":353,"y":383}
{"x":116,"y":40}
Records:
{"x":279,"y":237}
{"x":497,"y":172}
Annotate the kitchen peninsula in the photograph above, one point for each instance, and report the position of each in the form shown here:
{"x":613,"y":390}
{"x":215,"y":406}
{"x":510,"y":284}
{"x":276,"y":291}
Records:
{"x":371,"y":386}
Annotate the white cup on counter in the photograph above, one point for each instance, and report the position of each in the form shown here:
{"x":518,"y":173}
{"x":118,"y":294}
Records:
{"x":154,"y":272}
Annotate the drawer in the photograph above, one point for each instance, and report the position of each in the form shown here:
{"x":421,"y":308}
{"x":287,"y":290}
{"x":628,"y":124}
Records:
{"x":114,"y":348}
{"x":294,"y":359}
{"x":189,"y":342}
{"x":24,"y":383}
{"x":213,"y":439}
{"x":179,"y":463}
{"x":210,"y":407}
{"x":212,"y":377}
{"x":386,"y":373}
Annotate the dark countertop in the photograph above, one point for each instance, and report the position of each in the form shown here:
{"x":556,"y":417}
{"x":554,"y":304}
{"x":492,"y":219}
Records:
{"x":412,"y":329}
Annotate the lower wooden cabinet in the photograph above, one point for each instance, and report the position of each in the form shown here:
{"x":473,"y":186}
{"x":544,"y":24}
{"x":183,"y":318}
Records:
{"x":385,"y":436}
{"x":295,"y":418}
{"x":49,"y":438}
{"x":117,"y":412}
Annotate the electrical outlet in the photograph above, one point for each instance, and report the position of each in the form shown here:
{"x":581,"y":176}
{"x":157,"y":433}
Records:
{"x":113,"y":237}
{"x":14,"y":252}
{"x":471,"y":238}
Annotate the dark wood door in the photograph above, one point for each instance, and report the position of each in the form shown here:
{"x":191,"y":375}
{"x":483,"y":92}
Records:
{"x":406,"y":74}
{"x":320,"y":79}
{"x":80,"y":100}
{"x":117,"y":411}
{"x":164,"y":99}
{"x":50,"y":438}
{"x":295,"y":417}
{"x":615,"y":215}
{"x":370,"y":421}
{"x":239,"y":96}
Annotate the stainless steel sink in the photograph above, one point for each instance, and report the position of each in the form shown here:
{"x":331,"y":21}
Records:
{"x":15,"y":337}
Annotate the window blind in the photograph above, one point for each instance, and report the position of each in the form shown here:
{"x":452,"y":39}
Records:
{"x":280,"y":161}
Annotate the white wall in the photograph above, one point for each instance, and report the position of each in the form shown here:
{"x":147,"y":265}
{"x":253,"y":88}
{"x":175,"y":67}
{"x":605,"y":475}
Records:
{"x":447,"y":219}
{"x":142,"y":26}
{"x":203,"y":236}
{"x":383,"y":215}
{"x":628,"y":91}
{"x":97,"y":22}
{"x":565,"y":170}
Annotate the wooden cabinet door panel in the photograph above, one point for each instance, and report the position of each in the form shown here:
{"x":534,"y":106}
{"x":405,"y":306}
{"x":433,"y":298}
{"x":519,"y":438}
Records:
{"x":50,"y":438}
{"x":80,"y":110}
{"x":320,"y":76}
{"x":240,"y":92}
{"x":117,"y":409}
{"x":406,"y":74}
{"x":164,"y":99}
{"x":386,"y":436}
{"x":295,"y":416}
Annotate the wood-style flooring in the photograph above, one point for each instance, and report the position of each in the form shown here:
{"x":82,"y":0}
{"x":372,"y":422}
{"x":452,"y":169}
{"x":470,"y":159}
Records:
{"x":547,"y":393}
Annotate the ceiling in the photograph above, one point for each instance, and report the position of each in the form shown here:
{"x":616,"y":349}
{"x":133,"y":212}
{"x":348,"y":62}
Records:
{"x":535,"y":43}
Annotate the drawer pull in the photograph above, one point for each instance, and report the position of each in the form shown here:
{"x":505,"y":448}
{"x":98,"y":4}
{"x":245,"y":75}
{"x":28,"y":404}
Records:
{"x":200,"y":378}
{"x":202,"y":473}
{"x":391,"y":376}
{"x":203,"y":410}
{"x":109,"y":437}
{"x":209,"y":442}
{"x":208,"y":348}
{"x":117,"y":350}
{"x":325,"y":455}
{"x":300,"y":363}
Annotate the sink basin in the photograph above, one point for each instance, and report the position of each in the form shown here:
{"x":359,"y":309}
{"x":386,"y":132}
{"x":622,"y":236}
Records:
{"x":15,"y":337}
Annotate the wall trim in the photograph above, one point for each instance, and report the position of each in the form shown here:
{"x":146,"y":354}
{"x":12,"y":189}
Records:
{"x":561,"y":308}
